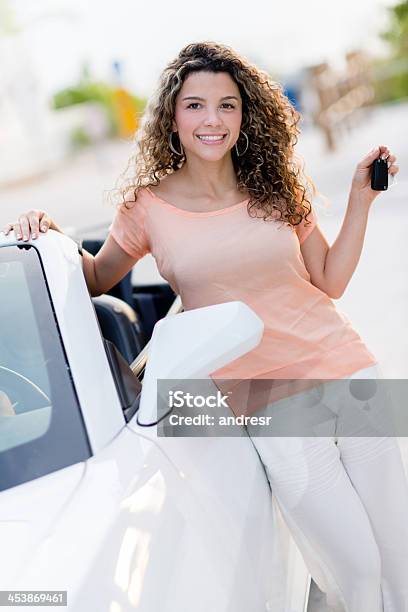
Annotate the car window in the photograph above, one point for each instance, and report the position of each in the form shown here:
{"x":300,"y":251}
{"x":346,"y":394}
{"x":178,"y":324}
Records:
{"x":41,"y":427}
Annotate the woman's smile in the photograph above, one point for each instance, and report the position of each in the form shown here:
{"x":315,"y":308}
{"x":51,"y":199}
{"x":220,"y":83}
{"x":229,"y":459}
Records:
{"x":211,"y":139}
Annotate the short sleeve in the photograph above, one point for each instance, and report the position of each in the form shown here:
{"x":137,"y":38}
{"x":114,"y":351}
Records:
{"x":303,"y":230}
{"x":128,"y":229}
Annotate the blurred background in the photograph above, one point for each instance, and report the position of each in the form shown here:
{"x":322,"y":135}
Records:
{"x":75,"y":77}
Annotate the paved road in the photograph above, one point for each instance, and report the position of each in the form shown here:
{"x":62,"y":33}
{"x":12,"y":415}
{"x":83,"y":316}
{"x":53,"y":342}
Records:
{"x":377,"y":298}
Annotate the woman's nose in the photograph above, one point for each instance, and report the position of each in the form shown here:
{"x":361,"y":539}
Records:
{"x":212,"y":117}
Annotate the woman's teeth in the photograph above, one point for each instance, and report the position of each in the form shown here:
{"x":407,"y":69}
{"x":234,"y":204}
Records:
{"x":211,"y":138}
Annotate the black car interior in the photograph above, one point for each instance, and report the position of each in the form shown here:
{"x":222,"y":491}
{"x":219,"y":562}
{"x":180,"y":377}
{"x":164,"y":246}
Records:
{"x":127,"y":314}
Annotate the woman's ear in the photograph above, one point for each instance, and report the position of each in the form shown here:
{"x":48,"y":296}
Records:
{"x":174,"y":126}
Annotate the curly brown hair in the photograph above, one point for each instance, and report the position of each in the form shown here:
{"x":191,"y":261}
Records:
{"x":269,"y":171}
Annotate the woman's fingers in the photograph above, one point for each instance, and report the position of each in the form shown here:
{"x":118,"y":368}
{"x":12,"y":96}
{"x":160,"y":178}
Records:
{"x":31,"y":222}
{"x":384,"y":151}
{"x":25,"y":226}
{"x":17,"y":231}
{"x":45,"y":222}
{"x":33,"y":219}
{"x":12,"y":226}
{"x":369,"y":158}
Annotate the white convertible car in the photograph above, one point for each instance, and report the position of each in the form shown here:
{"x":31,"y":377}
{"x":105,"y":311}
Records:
{"x":93,"y":501}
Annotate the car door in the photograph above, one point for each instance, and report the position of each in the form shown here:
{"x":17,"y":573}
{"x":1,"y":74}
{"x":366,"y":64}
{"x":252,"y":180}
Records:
{"x":40,"y":467}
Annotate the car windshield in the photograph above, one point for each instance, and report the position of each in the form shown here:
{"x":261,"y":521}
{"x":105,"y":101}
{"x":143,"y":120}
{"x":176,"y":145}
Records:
{"x":41,"y":428}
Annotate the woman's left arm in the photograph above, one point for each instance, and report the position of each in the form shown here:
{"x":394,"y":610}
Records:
{"x":331,"y":268}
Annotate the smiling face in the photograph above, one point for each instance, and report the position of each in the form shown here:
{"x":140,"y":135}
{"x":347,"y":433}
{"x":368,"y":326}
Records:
{"x":208,"y":115}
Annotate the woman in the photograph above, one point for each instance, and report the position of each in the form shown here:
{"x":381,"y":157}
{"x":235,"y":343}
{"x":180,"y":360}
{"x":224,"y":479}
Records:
{"x":217,"y":195}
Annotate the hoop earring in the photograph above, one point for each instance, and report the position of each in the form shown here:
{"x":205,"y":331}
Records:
{"x":247,"y":144}
{"x":172,"y":146}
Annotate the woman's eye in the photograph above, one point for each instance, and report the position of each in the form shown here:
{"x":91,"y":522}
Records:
{"x":195,"y":104}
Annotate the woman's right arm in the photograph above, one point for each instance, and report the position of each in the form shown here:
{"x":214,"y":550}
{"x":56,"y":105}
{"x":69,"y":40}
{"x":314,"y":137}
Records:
{"x":101,"y":272}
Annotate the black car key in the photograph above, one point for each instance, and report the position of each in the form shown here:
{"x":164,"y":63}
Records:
{"x":379,"y":175}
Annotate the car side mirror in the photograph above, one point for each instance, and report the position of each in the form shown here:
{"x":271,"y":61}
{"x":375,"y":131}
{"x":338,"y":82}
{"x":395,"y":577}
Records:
{"x":195,"y":343}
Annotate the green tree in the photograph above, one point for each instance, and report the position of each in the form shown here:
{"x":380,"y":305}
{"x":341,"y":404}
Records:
{"x":392,"y":73}
{"x":397,"y":33}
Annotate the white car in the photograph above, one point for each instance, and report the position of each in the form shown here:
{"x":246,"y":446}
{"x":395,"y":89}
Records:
{"x":93,"y":501}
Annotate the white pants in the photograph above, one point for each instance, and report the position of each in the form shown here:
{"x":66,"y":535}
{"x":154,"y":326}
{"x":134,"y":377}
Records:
{"x":345,"y":501}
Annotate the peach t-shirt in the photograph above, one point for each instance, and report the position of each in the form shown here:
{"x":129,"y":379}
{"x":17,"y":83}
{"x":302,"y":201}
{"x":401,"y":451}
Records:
{"x":225,"y":255}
